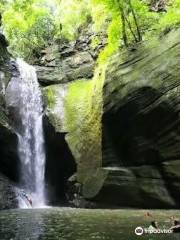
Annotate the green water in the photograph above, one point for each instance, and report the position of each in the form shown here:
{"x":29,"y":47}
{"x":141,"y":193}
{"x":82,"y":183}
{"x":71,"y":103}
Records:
{"x":81,"y":224}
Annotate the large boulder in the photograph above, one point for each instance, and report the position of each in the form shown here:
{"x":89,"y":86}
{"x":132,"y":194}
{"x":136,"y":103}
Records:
{"x":141,"y":125}
{"x":70,"y":111}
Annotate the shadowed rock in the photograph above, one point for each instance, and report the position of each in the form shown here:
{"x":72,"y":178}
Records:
{"x":141,"y":125}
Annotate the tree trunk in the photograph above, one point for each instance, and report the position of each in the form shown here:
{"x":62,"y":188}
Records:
{"x":124,"y":28}
{"x":136,"y":22}
{"x":131,"y":30}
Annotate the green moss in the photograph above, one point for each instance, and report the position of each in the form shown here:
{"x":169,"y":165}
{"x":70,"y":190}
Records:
{"x":76,"y":108}
{"x":94,"y":183}
{"x":77,"y":103}
{"x":172,"y":169}
{"x":54,"y":100}
{"x":51,"y":97}
{"x":95,"y":42}
{"x":83,"y":111}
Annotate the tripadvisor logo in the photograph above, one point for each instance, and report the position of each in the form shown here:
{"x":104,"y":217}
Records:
{"x":139,"y":231}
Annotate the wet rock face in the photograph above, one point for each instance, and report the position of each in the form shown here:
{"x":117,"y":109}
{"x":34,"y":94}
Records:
{"x":141,"y":126}
{"x":8,"y":139}
{"x":9,"y":160}
{"x":65,"y":61}
{"x":60,"y":165}
{"x":78,"y":66}
{"x":8,"y":198}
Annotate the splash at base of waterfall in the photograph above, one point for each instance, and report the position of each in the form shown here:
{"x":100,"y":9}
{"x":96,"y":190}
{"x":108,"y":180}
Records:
{"x":31,"y":200}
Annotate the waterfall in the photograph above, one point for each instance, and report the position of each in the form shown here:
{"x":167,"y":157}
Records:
{"x":27,"y":99}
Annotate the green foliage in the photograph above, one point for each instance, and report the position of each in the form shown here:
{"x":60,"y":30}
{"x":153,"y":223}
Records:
{"x":70,"y":15}
{"x":125,"y":23}
{"x":95,"y":42}
{"x":51,"y":97}
{"x":171,"y":18}
{"x":29,"y":25}
{"x":139,"y":22}
{"x":3,"y":4}
{"x":114,"y":39}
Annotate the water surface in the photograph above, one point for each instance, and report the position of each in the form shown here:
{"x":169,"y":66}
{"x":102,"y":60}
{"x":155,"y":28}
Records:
{"x":81,"y":224}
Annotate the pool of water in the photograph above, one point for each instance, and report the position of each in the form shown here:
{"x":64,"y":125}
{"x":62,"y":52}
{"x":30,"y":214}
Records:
{"x":81,"y":224}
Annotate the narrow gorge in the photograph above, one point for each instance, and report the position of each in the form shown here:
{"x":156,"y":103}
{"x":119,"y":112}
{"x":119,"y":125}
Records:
{"x":73,"y":128}
{"x":89,"y":119}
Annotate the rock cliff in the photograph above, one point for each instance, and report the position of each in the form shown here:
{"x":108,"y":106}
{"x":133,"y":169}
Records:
{"x":74,"y":108}
{"x":8,"y":138}
{"x":138,"y":164}
{"x":141,"y":125}
{"x":112,"y":131}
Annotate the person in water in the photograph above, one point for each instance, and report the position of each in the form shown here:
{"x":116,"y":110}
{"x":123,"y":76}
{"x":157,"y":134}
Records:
{"x":148,"y":215}
{"x":176,"y":226}
{"x":30,"y":201}
{"x":154,"y":226}
{"x":27,"y":197}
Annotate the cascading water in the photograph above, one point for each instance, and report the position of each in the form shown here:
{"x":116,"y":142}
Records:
{"x":27,"y":101}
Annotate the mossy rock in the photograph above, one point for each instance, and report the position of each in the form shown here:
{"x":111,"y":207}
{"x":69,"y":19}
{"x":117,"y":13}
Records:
{"x":93,"y":184}
{"x":76,"y":108}
{"x":172,"y":169}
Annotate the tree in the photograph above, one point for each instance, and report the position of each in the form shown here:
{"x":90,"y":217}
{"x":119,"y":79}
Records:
{"x":125,"y":11}
{"x":30,"y":28}
{"x":36,"y":23}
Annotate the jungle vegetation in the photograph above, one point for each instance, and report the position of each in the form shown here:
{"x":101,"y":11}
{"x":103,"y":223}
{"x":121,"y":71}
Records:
{"x":30,"y":25}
